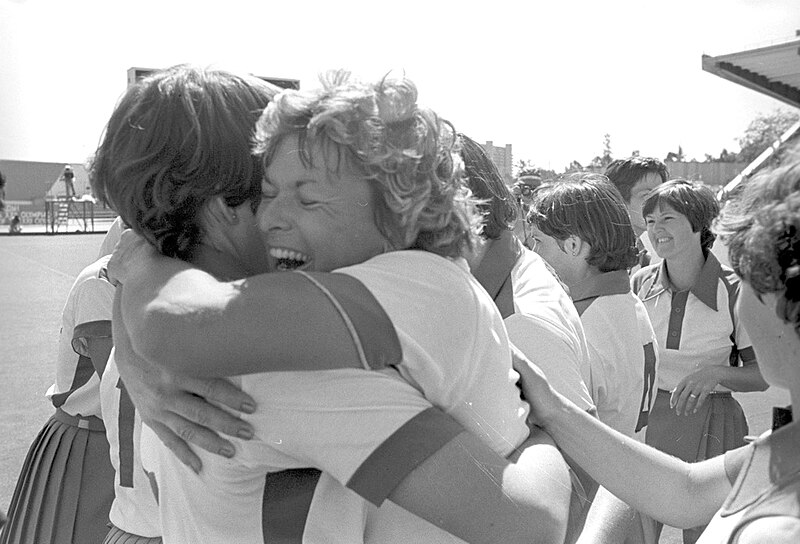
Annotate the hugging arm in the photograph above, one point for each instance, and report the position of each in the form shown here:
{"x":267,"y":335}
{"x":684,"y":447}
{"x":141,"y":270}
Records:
{"x":184,"y":319}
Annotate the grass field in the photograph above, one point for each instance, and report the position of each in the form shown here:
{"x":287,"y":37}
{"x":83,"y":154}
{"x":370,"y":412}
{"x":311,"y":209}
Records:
{"x":36,"y":273}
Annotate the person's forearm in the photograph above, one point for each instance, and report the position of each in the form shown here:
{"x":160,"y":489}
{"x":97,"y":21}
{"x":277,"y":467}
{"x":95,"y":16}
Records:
{"x":742,"y":378}
{"x":185,"y":319}
{"x":662,"y":486}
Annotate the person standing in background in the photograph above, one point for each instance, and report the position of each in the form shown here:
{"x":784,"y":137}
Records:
{"x":634,"y":177}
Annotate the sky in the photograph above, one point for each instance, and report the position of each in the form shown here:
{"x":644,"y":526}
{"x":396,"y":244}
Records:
{"x":551,"y":78}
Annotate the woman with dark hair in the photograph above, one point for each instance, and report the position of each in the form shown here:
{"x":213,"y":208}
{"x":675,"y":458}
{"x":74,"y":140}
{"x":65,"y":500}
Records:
{"x":704,"y":351}
{"x":580,"y":226}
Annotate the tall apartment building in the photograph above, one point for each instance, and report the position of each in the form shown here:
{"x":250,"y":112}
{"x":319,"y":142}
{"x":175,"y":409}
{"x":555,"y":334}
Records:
{"x":502,"y":158}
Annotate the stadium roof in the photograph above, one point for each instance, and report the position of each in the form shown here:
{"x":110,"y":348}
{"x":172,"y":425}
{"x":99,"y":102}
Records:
{"x":773,"y":70}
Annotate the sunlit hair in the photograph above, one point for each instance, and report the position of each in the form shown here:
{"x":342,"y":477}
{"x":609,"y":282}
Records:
{"x":408,"y":153}
{"x":176,"y":140}
{"x":761,"y":227}
{"x":588,"y":206}
{"x":691,"y":199}
{"x":495,"y":201}
{"x":624,"y":173}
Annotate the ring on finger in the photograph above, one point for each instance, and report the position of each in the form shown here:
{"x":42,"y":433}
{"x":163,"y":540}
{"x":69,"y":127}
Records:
{"x":692,"y":395}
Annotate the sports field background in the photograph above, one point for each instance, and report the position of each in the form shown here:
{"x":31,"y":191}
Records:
{"x":36,"y":273}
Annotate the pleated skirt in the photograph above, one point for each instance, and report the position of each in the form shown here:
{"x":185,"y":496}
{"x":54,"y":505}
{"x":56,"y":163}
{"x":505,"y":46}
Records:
{"x":118,"y":536}
{"x":720,"y":425}
{"x":66,"y":486}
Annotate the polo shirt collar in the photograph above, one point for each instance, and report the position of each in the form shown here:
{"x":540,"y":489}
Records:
{"x":498,"y":261}
{"x":705,"y":288}
{"x":605,"y":284}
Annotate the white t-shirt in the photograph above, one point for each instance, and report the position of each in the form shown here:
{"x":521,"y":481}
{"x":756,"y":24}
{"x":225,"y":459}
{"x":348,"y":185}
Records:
{"x":357,"y":425}
{"x":87,"y":313}
{"x":134,"y":509}
{"x":462,"y":365}
{"x":623,"y":351}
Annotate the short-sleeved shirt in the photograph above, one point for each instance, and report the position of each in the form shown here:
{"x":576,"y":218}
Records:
{"x":366,"y":429}
{"x":87,"y":313}
{"x":462,"y":365}
{"x":539,"y":315}
{"x":623,"y":351}
{"x":766,"y":483}
{"x":134,"y":509}
{"x":695,"y":328}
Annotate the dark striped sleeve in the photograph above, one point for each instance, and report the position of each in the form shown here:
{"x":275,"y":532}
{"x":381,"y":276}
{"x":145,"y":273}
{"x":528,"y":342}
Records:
{"x":371,"y":329}
{"x":401,"y":453}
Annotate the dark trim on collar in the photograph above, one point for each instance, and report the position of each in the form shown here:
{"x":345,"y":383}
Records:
{"x":605,"y":284}
{"x":499,"y":259}
{"x":705,"y":288}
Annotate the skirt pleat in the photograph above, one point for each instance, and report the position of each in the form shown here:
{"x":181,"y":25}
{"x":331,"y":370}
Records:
{"x":66,"y":486}
{"x":718,"y":426}
{"x":118,"y":536}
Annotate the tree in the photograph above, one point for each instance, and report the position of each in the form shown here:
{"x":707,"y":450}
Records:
{"x":601,"y":161}
{"x":675,"y":157}
{"x":763,"y":131}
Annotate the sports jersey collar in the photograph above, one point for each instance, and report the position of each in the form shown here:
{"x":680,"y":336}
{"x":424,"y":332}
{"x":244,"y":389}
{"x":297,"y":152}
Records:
{"x":605,"y":284}
{"x":498,"y":261}
{"x":705,"y":288}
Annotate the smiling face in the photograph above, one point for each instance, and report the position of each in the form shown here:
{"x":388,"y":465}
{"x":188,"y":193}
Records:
{"x":670,"y":232}
{"x":648,"y":182}
{"x":775,"y":342}
{"x":318,"y":217}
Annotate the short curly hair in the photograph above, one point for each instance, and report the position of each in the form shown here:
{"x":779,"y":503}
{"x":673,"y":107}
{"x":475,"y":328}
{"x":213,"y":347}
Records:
{"x":408,"y":152}
{"x":588,"y":206}
{"x":761,"y":227}
{"x":692,"y":199}
{"x":176,"y":140}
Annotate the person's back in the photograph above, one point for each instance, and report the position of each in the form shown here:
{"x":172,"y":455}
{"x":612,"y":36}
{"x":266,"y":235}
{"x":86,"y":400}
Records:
{"x":134,"y":510}
{"x":623,"y":352}
{"x":460,"y":367}
{"x":581,"y":226}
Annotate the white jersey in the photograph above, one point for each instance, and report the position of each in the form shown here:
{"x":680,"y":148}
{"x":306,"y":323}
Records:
{"x":462,"y":365}
{"x":539,"y":315}
{"x":358,"y":425}
{"x":623,"y":351}
{"x":87,"y":313}
{"x":134,"y":509}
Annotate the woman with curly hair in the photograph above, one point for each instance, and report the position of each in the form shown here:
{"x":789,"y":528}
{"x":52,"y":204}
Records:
{"x":749,"y":494}
{"x":360,"y":180}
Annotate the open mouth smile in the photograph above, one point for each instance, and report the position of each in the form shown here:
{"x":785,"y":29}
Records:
{"x":288,"y":259}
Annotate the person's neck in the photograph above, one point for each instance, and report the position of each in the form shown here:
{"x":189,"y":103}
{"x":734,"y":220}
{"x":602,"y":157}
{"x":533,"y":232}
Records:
{"x":581,"y":275}
{"x":222,"y":266}
{"x":478,"y":252}
{"x":684,"y":270}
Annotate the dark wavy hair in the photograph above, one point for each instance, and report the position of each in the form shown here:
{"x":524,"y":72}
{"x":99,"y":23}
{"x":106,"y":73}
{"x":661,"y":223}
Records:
{"x":176,"y":140}
{"x":408,"y":152}
{"x":495,"y":201}
{"x":761,"y":227}
{"x":588,"y":206}
{"x":624,"y":173}
{"x":691,"y":199}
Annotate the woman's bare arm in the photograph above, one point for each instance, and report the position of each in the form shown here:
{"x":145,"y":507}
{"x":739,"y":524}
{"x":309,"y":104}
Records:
{"x":688,"y":493}
{"x":185,"y":319}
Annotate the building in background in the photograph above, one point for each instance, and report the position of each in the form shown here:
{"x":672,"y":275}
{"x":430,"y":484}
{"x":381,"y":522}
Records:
{"x":502,"y":158}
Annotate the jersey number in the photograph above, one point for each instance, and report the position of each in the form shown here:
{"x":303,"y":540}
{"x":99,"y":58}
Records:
{"x":127,"y":412}
{"x":649,"y":384}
